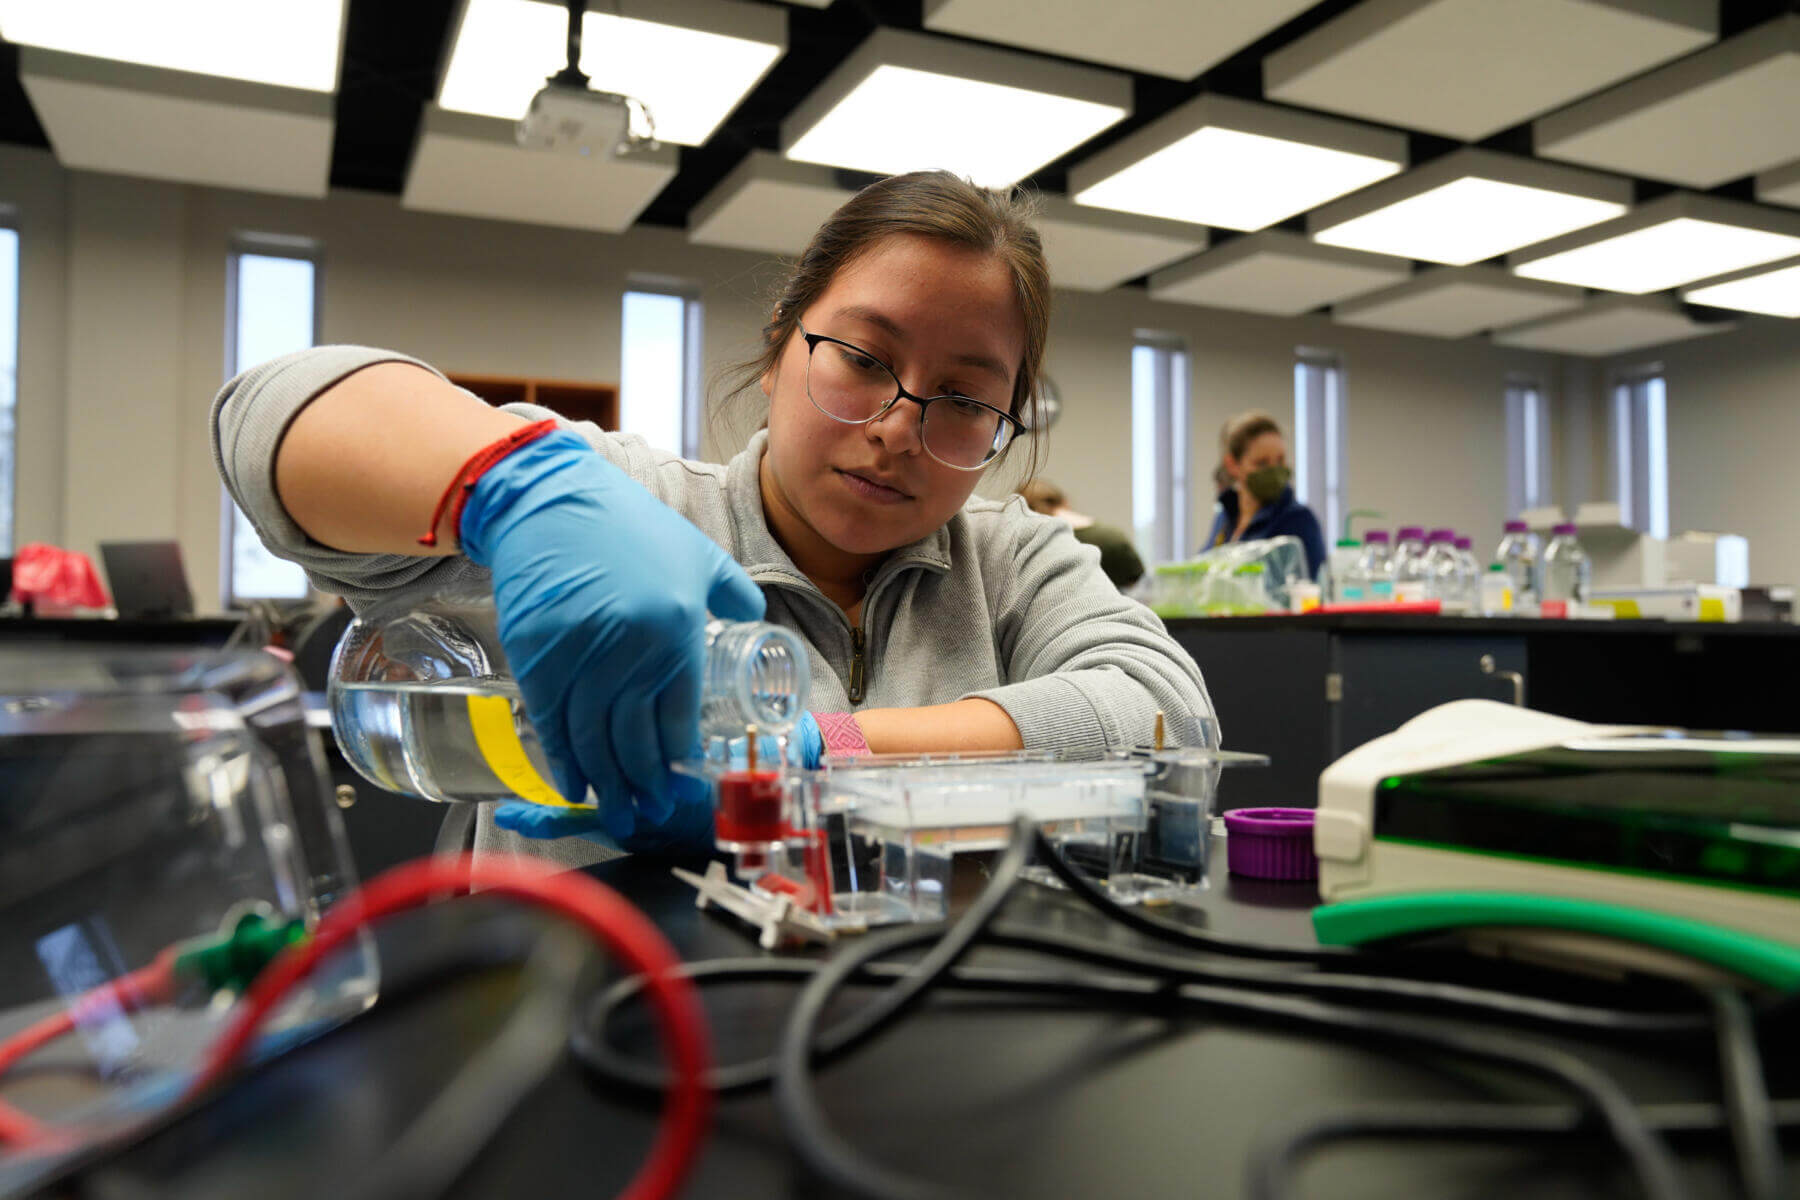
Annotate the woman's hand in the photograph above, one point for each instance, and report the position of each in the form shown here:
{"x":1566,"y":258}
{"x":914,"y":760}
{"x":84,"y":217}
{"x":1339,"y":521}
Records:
{"x":689,"y":828}
{"x":602,"y":593}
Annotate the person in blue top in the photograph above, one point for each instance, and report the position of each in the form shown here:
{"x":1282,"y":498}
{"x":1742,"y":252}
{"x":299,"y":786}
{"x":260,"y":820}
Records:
{"x":1258,"y":497}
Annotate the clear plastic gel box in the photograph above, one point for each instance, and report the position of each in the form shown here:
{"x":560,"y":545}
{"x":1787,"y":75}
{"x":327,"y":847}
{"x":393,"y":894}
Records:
{"x":148,"y":797}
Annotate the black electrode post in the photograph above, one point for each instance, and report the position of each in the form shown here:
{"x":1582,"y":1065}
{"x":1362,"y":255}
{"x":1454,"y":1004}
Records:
{"x":571,"y":74}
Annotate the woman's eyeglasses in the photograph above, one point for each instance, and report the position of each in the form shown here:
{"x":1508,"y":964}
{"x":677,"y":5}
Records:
{"x":849,"y":384}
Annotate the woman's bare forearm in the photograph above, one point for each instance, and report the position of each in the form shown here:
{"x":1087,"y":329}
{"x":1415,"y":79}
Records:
{"x":363,"y":465}
{"x":962,"y":726}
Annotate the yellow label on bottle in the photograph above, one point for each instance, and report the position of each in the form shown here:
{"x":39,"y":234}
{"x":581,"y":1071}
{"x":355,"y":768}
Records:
{"x":491,"y":719}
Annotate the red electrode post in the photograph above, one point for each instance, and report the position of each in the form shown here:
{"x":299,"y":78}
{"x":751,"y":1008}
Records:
{"x":749,"y":816}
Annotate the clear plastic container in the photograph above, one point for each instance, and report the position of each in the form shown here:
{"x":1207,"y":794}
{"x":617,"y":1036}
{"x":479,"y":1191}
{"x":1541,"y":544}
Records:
{"x":1567,"y":570}
{"x":1376,"y":567}
{"x":1496,"y":591}
{"x":1443,"y":570}
{"x":1472,"y":572}
{"x":151,"y":797}
{"x":422,"y":702}
{"x":1519,"y":554}
{"x":1343,"y":571}
{"x":1411,"y":574}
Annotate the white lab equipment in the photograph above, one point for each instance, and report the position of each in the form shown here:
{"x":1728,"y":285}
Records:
{"x":423,"y":703}
{"x":1567,"y":572}
{"x":1720,"y":558}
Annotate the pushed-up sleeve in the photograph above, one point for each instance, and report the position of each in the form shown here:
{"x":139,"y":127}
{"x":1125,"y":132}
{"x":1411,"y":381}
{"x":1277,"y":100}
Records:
{"x":1087,"y":668}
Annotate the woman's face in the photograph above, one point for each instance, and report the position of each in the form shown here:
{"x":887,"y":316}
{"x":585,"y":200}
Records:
{"x":944,"y":319}
{"x":1266,"y":450}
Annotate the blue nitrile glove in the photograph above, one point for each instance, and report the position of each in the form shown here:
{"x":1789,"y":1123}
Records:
{"x":805,"y":742}
{"x":602,"y":593}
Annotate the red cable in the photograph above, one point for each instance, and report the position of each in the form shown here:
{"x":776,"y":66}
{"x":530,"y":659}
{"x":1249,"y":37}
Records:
{"x":154,"y":984}
{"x":598,"y":909}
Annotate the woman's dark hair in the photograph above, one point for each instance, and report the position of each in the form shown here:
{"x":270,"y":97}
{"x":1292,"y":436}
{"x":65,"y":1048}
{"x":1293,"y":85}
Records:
{"x":1235,"y":438}
{"x":931,"y":204}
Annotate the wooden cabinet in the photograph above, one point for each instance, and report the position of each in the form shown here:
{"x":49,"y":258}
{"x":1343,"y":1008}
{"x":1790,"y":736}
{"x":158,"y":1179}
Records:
{"x":596,"y":402}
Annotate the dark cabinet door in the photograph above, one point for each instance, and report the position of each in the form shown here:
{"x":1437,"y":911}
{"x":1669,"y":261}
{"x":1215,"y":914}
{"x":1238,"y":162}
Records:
{"x":1384,"y":680}
{"x":1268,"y":688}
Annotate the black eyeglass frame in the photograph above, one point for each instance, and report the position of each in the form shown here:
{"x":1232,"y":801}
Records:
{"x":812,"y":341}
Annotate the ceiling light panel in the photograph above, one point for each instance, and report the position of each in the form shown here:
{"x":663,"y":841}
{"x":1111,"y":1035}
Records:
{"x":1664,"y":244}
{"x":768,"y":204}
{"x":1703,"y":121}
{"x":104,"y":115}
{"x":1454,"y":302}
{"x":1470,"y":68}
{"x":1613,"y":325}
{"x":1236,"y":164}
{"x":690,"y":61}
{"x":472,"y":166}
{"x":1276,"y":272}
{"x":1092,"y":249}
{"x":907,"y":101}
{"x":1153,"y":36}
{"x":1468,"y":206}
{"x":1773,"y":291}
{"x":292,"y":44}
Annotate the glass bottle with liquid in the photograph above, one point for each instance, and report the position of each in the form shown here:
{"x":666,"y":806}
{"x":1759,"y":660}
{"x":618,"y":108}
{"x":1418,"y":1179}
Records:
{"x":423,"y":703}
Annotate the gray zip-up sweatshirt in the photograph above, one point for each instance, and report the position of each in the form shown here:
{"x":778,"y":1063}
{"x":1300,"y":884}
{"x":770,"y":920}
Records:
{"x":1000,"y":603}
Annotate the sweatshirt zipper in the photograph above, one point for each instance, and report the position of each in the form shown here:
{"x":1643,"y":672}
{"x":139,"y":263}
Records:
{"x":857,"y":645}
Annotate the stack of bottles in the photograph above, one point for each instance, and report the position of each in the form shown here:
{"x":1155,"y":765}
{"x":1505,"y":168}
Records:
{"x":1416,"y":565}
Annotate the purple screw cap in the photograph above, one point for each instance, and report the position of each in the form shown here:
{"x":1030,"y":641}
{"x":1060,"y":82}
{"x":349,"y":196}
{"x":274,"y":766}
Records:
{"x":1517,"y":527}
{"x":1271,"y":843}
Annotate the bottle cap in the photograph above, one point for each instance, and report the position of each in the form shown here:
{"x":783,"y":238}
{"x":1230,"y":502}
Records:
{"x":1441,"y":536}
{"x":1271,"y":843}
{"x":1492,"y":567}
{"x":1463,"y":543}
{"x":1347,"y":543}
{"x":1412,"y":533}
{"x":1517,"y":527}
{"x":1375,"y":535}
{"x":1567,"y":527}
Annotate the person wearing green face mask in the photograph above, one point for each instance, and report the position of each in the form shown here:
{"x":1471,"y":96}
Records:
{"x":1258,"y":497}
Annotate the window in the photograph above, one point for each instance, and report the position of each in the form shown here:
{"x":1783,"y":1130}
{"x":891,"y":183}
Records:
{"x":9,"y":377}
{"x":1527,"y":445}
{"x":1640,"y":450}
{"x":1159,"y":446}
{"x":1318,"y":451}
{"x":271,"y":309}
{"x":660,"y":370}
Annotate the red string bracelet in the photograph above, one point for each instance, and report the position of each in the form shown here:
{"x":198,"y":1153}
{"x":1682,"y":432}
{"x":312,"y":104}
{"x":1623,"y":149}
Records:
{"x":456,"y":494}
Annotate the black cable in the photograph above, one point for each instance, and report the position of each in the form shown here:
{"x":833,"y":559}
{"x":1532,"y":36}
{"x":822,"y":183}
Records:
{"x":830,"y":1156}
{"x":1276,"y":1157}
{"x":1746,"y":1098}
{"x":839,"y":1164}
{"x":590,"y":1047}
{"x":1177,"y":934}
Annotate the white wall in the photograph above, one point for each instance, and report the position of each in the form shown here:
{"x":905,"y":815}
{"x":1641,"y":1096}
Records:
{"x":1734,"y":434}
{"x":123,"y":348}
{"x":1425,"y":428}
